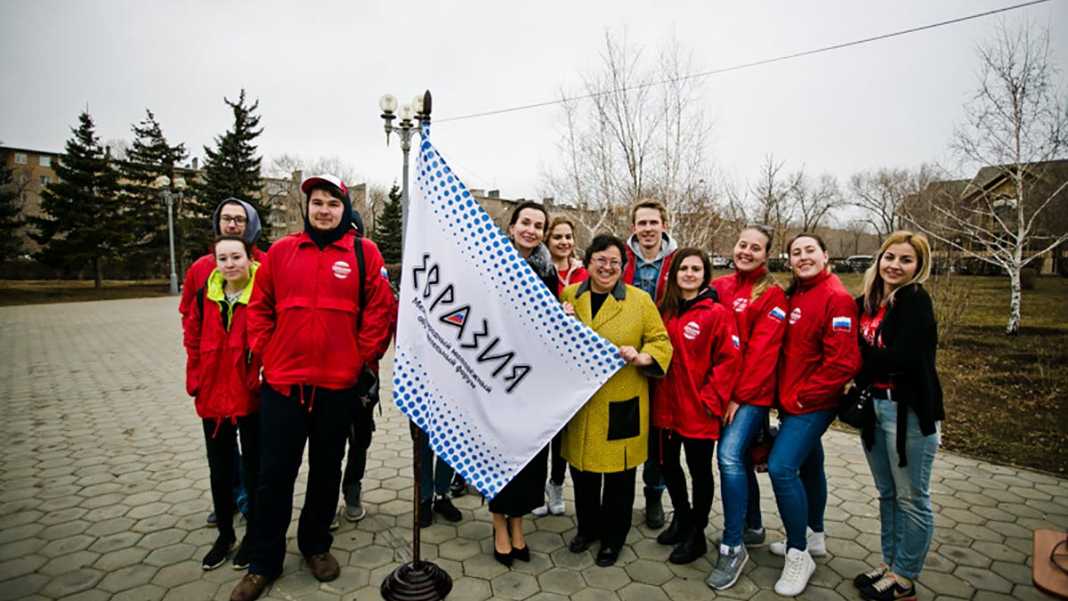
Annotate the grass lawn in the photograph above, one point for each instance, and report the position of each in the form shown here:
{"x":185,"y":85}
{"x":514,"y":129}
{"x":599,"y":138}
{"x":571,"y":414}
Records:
{"x":1004,"y":395}
{"x":27,"y":292}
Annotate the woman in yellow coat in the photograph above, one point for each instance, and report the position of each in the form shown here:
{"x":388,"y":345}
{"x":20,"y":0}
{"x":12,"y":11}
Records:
{"x":606,"y":440}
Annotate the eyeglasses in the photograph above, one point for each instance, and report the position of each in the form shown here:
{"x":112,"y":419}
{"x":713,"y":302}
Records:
{"x":234,"y":219}
{"x":603,"y":262}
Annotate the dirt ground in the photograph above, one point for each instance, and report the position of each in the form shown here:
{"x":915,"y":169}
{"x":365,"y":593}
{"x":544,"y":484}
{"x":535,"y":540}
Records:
{"x":1004,"y":396}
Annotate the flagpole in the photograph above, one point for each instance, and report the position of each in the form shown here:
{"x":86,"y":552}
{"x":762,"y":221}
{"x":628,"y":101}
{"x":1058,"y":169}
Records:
{"x":416,"y":580}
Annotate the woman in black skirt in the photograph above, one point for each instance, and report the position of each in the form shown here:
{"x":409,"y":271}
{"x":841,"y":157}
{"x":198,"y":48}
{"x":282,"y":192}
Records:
{"x":525,"y":492}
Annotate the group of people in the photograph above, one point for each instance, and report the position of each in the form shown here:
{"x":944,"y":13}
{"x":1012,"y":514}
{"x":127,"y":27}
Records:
{"x":706,"y":361}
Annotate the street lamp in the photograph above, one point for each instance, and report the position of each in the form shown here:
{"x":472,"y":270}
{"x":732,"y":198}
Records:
{"x":420,"y":110}
{"x":416,"y":580}
{"x":167,"y":191}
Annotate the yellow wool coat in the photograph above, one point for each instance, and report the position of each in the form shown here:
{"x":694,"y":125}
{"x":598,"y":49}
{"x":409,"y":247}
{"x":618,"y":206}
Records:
{"x":611,"y":431}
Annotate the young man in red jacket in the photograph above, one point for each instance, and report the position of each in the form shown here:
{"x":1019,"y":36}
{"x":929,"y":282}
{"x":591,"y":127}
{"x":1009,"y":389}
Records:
{"x":649,"y":252}
{"x":307,"y":323}
{"x":232,"y":217}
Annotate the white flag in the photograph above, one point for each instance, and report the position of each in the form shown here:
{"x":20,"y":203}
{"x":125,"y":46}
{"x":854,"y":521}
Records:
{"x":487,"y":362}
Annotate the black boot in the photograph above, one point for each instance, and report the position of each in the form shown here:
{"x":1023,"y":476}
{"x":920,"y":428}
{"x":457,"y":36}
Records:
{"x":426,"y":515}
{"x":676,"y":530}
{"x":654,"y":509}
{"x":693,"y":546}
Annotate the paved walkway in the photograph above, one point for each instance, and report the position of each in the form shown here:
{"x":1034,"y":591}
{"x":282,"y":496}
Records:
{"x":104,"y":491}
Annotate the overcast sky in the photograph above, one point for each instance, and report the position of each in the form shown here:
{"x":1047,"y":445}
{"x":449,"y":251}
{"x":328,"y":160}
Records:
{"x":318,"y":69}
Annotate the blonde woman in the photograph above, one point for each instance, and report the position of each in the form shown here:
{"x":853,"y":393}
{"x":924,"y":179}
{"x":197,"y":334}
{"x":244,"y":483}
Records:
{"x":898,"y":340}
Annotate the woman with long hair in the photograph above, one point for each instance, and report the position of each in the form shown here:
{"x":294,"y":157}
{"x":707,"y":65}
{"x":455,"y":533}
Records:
{"x":222,"y":375}
{"x":898,"y":340}
{"x":608,"y":438}
{"x":561,"y":243}
{"x":525,"y":492}
{"x":759,"y":307}
{"x":689,"y":402}
{"x":819,"y":356}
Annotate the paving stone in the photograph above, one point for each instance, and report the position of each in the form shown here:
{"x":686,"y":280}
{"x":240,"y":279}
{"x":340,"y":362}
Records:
{"x":637,"y":591}
{"x":170,"y":554}
{"x":595,"y":594}
{"x":21,"y":566}
{"x":72,"y":581}
{"x":475,"y":589}
{"x":513,"y":585}
{"x":562,"y":581}
{"x":982,"y":579}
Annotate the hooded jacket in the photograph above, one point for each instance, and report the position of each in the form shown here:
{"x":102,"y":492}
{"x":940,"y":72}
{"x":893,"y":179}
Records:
{"x":761,"y":325}
{"x":302,"y":318}
{"x":220,"y":372}
{"x":634,"y":259}
{"x":692,"y":397}
{"x":197,"y":274}
{"x":820,"y":352}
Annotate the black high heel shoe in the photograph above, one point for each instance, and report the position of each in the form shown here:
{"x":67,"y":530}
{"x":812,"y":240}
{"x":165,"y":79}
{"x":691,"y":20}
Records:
{"x":504,"y":559}
{"x":521,"y":554}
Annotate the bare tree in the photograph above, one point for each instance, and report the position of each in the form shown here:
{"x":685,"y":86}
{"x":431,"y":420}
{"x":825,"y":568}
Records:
{"x":1016,"y":125}
{"x":638,"y":133}
{"x":813,"y":200}
{"x":881,"y":193}
{"x":771,"y":203}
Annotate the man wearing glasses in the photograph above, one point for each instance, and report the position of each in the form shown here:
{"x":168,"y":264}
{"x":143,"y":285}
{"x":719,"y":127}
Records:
{"x":233,"y":217}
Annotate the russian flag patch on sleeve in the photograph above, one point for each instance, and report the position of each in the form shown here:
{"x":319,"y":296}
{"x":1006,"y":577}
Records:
{"x":777,"y":314}
{"x":842,"y":324}
{"x":736,"y":341}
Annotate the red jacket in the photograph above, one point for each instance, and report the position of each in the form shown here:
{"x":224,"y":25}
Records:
{"x":661,"y":281}
{"x":692,"y":396}
{"x":220,"y":371}
{"x":820,"y":352}
{"x":302,"y":318}
{"x":197,"y":275}
{"x":761,"y":325}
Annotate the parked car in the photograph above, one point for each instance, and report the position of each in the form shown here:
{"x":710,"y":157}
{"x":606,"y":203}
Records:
{"x":719,"y":262}
{"x":858,"y":263}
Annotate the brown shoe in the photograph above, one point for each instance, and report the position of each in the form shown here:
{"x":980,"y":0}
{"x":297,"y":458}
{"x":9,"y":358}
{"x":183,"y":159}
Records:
{"x":323,"y":566}
{"x":250,"y":588}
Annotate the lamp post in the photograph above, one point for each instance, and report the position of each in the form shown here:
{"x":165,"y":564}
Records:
{"x":416,"y":580}
{"x":166,"y":189}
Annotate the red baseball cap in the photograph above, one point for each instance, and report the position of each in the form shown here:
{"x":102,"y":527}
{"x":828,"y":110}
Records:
{"x":333,"y":180}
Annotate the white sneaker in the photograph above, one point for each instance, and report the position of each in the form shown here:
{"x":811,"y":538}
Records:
{"x":795,"y":573}
{"x":544,"y":510}
{"x":556,"y":497}
{"x":817,"y":545}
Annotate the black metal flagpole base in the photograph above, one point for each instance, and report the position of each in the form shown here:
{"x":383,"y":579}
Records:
{"x":417,"y":581}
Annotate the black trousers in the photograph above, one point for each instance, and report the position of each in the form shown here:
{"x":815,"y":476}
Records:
{"x":321,"y":417}
{"x":359,"y":437}
{"x":220,"y":439}
{"x":604,"y":512}
{"x":699,"y":456}
{"x":558,"y":465}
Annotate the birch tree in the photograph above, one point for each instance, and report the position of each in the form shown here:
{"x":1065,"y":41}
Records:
{"x":1015,"y":126}
{"x":881,"y":194}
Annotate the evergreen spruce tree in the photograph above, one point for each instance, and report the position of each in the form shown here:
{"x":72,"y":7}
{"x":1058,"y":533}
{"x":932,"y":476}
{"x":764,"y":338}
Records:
{"x":83,"y":223}
{"x":147,"y":158}
{"x":388,"y":228}
{"x":10,"y":219}
{"x":232,"y":168}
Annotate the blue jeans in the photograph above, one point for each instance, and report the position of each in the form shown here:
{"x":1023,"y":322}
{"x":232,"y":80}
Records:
{"x":904,"y":492}
{"x":738,"y":482}
{"x":432,"y":478}
{"x":796,"y":470}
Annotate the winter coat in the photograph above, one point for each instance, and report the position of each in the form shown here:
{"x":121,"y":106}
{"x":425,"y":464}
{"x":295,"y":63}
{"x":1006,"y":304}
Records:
{"x":761,"y":325}
{"x":820,"y":352}
{"x":634,"y":257}
{"x":220,"y":371}
{"x":692,"y":397}
{"x":610,"y":432}
{"x":302,"y":318}
{"x":906,"y":359}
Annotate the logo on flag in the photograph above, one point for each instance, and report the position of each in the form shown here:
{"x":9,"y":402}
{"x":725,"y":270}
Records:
{"x":457,"y":317}
{"x":777,"y":314}
{"x":487,"y":362}
{"x":842,"y":324}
